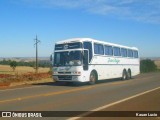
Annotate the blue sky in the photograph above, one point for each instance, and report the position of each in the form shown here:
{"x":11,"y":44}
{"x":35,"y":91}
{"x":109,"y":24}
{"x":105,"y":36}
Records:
{"x":127,"y":22}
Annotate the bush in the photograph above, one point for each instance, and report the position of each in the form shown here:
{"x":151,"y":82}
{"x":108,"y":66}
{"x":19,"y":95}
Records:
{"x":147,"y":66}
{"x":42,"y":63}
{"x":13,"y":65}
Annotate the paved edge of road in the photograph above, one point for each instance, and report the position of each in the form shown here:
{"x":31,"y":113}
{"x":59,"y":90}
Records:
{"x":112,"y":104}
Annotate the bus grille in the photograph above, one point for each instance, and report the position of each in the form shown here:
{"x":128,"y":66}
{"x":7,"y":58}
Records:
{"x":65,"y":77}
{"x":64,"y":72}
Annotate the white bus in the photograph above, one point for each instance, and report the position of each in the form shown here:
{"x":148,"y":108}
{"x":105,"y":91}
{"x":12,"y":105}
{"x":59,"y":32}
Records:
{"x":89,"y":60}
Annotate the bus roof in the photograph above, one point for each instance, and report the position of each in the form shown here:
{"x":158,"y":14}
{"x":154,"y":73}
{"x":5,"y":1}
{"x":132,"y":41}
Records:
{"x":92,"y":40}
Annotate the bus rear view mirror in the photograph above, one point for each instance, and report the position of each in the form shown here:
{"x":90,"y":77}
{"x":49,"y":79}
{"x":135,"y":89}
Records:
{"x":50,"y":57}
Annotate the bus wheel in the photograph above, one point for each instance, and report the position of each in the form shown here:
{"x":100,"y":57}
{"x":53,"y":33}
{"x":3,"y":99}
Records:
{"x":129,"y":74}
{"x":124,"y":75}
{"x":92,"y":78}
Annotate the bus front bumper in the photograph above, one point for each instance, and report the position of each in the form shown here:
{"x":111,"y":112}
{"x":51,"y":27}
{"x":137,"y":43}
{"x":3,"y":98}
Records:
{"x":68,"y":78}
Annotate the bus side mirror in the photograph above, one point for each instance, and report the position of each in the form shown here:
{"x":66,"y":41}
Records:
{"x":85,"y":60}
{"x":51,"y":58}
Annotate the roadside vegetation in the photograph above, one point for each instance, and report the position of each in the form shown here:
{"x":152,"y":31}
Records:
{"x":23,"y":74}
{"x":13,"y":65}
{"x":13,"y":71}
{"x":42,"y":63}
{"x":148,"y":66}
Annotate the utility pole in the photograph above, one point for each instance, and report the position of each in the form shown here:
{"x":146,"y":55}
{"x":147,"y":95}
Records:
{"x":36,"y":44}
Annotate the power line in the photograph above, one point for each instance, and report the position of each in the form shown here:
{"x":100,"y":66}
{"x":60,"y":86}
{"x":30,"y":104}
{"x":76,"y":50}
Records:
{"x":36,"y":44}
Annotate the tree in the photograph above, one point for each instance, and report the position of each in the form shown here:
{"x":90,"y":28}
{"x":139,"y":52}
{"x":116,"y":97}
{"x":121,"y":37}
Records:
{"x":13,"y":65}
{"x":147,"y":66}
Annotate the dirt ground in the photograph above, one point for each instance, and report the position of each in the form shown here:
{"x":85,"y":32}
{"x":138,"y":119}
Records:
{"x":6,"y":69}
{"x":23,"y":75}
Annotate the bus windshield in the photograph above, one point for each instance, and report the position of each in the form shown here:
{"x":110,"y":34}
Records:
{"x":68,"y":58}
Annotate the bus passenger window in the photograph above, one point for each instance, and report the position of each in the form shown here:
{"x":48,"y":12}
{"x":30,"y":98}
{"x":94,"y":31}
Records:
{"x":108,"y":50}
{"x":117,"y":51}
{"x":98,"y":49}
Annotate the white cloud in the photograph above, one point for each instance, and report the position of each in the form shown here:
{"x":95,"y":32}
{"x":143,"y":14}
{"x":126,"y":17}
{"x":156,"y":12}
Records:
{"x":140,"y":10}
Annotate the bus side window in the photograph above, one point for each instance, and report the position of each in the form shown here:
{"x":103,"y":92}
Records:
{"x":98,"y":49}
{"x":124,"y":52}
{"x":117,"y":51}
{"x":135,"y":54}
{"x":88,"y":45}
{"x":108,"y":50}
{"x":130,"y":53}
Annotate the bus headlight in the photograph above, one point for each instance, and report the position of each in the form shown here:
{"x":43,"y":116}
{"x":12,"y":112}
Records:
{"x":77,"y":72}
{"x":55,"y":72}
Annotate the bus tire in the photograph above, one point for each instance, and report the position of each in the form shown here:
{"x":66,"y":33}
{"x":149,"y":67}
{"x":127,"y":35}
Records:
{"x":93,"y":78}
{"x":129,"y":74}
{"x":124,"y":75}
